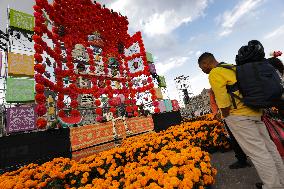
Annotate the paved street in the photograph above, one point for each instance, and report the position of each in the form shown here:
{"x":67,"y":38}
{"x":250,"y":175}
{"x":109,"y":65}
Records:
{"x":232,"y":179}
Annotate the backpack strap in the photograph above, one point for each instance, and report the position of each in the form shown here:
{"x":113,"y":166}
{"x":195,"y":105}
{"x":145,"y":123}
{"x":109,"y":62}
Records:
{"x":231,"y":88}
{"x":224,"y":65}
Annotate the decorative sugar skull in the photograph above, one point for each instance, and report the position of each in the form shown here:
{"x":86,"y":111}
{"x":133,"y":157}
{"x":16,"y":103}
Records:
{"x":79,"y":52}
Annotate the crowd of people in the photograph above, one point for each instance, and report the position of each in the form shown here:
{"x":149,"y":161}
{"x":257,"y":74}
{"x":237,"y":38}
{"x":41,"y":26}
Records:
{"x":239,"y":93}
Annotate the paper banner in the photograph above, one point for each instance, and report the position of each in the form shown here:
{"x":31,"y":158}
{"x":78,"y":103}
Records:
{"x":20,"y":119}
{"x":175,"y":105}
{"x":140,"y":124}
{"x":21,"y":20}
{"x":90,"y":135}
{"x":162,"y":106}
{"x":149,"y":57}
{"x":20,"y":65}
{"x":158,"y":93}
{"x":162,"y":81}
{"x":152,"y":68}
{"x":0,"y":63}
{"x":20,"y":90}
{"x":168,"y":104}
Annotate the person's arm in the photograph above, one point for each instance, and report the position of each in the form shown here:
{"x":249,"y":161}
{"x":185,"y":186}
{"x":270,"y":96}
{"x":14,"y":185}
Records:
{"x":214,"y":107}
{"x":225,"y":111}
{"x":218,"y":84}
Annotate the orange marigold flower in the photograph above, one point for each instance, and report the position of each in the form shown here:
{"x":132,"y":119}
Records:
{"x":84,"y":180}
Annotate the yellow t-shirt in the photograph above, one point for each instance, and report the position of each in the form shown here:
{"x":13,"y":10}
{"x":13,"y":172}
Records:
{"x":220,"y":77}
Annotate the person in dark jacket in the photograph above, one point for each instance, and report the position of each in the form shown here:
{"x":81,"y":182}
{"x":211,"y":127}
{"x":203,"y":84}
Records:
{"x":278,"y":65}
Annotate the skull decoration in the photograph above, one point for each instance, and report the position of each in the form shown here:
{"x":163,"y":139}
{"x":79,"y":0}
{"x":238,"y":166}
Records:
{"x":80,"y":53}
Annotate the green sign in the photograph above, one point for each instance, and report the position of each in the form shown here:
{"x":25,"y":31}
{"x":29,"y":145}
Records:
{"x":20,"y":90}
{"x":149,"y":57}
{"x":162,"y":81}
{"x":21,"y":20}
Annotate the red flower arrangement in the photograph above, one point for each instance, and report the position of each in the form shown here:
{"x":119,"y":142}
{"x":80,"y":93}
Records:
{"x":99,"y":118}
{"x":40,"y":98}
{"x":157,"y":110}
{"x":99,"y":111}
{"x":72,"y":25}
{"x":40,"y":109}
{"x":129,"y":109}
{"x":41,"y":123}
{"x":112,"y":109}
{"x":98,"y":103}
{"x":39,"y":88}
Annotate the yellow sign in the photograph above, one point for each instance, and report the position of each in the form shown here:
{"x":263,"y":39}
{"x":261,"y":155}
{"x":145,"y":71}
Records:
{"x":20,"y":65}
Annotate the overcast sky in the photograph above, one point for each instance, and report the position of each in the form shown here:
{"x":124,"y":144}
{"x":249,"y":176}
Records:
{"x":176,"y":32}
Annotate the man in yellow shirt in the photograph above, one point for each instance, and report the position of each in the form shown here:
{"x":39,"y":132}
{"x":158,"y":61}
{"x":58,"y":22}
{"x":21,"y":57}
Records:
{"x":239,"y":153}
{"x":245,"y":124}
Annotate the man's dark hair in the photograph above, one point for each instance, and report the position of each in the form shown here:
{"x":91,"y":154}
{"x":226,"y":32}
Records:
{"x":205,"y":56}
{"x":277,"y":64}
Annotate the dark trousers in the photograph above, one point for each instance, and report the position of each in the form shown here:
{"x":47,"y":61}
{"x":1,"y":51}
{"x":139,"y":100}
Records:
{"x":239,"y":153}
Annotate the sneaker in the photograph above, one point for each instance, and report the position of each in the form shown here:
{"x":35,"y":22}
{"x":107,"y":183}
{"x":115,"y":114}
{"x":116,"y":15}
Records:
{"x":259,"y":185}
{"x":239,"y":165}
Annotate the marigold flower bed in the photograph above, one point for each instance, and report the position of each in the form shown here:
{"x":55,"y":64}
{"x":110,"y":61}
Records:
{"x":174,"y":158}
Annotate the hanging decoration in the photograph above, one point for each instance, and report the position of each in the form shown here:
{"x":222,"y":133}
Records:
{"x":22,"y":90}
{"x":20,"y":119}
{"x":21,"y":20}
{"x":152,"y":69}
{"x":175,"y":105}
{"x":149,"y":57}
{"x":22,"y":65}
{"x":162,"y":81}
{"x":158,"y":92}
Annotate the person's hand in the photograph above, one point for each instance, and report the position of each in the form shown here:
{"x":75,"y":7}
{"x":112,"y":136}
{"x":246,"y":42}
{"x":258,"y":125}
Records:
{"x":225,"y":112}
{"x":218,"y":117}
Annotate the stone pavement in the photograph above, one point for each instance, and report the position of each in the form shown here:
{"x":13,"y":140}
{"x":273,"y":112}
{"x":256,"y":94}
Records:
{"x":232,"y":179}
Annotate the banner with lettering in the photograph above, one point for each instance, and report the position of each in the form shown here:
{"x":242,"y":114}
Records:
{"x":20,"y":119}
{"x":20,"y":90}
{"x":91,"y":135}
{"x":21,"y":20}
{"x":20,"y":65}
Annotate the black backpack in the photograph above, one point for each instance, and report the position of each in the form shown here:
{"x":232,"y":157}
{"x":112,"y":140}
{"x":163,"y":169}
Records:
{"x":258,"y":82}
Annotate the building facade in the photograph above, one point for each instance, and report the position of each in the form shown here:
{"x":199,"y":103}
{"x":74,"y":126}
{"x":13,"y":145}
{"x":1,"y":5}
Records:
{"x":197,"y":105}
